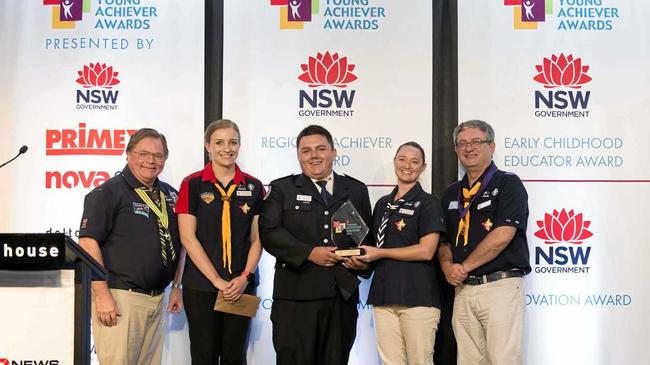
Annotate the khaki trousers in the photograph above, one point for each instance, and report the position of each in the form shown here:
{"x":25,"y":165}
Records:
{"x":488,"y":322}
{"x":137,"y":339}
{"x":406,"y":334}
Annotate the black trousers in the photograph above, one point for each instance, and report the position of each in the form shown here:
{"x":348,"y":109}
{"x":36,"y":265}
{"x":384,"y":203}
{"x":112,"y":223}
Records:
{"x":314,"y":332}
{"x":215,"y":337}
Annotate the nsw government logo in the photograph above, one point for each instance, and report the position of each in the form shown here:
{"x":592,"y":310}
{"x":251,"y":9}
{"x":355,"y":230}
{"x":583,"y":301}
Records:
{"x":97,"y":92}
{"x":327,"y":76}
{"x":563,"y":249}
{"x":562,"y":77}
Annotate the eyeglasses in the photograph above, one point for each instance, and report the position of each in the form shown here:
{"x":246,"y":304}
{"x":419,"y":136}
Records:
{"x":474,"y":144}
{"x":144,"y":156}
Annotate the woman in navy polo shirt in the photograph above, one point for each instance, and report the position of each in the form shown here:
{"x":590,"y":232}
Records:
{"x":406,"y":226}
{"x":218,"y":209}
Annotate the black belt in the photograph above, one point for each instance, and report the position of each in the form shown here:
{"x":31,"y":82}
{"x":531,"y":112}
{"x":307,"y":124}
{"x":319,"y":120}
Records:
{"x":150,"y":292}
{"x":497,"y":275}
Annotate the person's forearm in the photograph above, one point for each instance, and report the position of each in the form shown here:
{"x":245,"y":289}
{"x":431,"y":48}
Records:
{"x":91,"y":246}
{"x":444,"y":254}
{"x":416,"y":252}
{"x":178,"y":277}
{"x":489,"y":248}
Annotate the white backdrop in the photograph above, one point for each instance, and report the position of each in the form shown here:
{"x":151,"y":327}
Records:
{"x":147,"y":71}
{"x":568,"y":97}
{"x":268,"y":74}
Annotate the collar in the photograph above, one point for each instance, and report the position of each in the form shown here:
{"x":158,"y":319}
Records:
{"x":410,"y":195}
{"x":465,"y":181}
{"x":135,"y":183}
{"x":328,"y":179}
{"x":207,"y":174}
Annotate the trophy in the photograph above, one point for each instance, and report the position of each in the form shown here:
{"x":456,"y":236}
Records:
{"x":348,"y":230}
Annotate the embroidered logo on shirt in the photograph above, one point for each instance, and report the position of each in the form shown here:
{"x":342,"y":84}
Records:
{"x":487,"y":225}
{"x":495,"y":192}
{"x":400,"y":225}
{"x":84,"y":223}
{"x":141,"y":209}
{"x":244,"y":208}
{"x":417,"y":204}
{"x":251,"y":187}
{"x":207,"y":197}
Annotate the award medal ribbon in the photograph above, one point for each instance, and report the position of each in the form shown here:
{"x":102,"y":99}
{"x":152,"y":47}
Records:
{"x":467,"y":196}
{"x":160,"y":210}
{"x":226,"y":238}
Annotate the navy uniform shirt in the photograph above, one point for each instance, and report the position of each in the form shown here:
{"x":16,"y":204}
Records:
{"x":127,"y":232}
{"x":408,"y":283}
{"x":199,"y":197}
{"x":503,"y":203}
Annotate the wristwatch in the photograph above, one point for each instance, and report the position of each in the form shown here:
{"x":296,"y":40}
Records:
{"x":177,"y":285}
{"x":249,"y":276}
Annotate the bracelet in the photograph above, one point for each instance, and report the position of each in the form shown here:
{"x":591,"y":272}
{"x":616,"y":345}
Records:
{"x":177,"y":285}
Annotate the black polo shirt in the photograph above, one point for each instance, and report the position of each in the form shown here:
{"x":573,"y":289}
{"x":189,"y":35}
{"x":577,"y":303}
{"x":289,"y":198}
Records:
{"x":503,"y":203}
{"x":408,"y":283}
{"x":127,"y":232}
{"x":199,"y":197}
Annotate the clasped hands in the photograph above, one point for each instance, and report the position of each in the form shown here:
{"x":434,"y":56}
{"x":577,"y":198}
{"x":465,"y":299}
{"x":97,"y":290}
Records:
{"x":454,"y":273}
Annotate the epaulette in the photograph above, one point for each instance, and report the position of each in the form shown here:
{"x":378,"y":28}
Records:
{"x":354,"y":179}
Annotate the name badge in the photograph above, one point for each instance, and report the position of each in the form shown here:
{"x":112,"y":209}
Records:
{"x":406,"y":211}
{"x":303,"y":198}
{"x":244,"y":193}
{"x":453,"y":205}
{"x":484,"y":204}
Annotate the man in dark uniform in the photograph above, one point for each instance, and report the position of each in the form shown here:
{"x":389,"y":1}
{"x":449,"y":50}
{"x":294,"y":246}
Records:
{"x":485,"y":254}
{"x":129,"y":226}
{"x":315,"y":294}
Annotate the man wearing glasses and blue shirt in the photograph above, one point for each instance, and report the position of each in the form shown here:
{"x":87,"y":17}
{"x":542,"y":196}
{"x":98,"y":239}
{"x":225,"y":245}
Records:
{"x":129,"y":226}
{"x":485,"y":254}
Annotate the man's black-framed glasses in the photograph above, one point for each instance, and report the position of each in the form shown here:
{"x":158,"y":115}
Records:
{"x":474,"y":144}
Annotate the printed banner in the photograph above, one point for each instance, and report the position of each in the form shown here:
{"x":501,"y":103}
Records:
{"x":78,"y":78}
{"x":564,"y":83}
{"x":362,"y":69}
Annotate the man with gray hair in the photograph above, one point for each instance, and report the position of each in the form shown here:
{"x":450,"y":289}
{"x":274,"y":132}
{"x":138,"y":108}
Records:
{"x":129,"y":226}
{"x":485,"y":253}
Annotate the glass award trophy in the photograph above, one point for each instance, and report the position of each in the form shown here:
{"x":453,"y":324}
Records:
{"x":348,"y":230}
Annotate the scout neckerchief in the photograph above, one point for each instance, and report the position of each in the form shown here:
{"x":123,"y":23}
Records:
{"x":388,"y":211}
{"x":160,"y":210}
{"x":226,"y":239}
{"x":467,"y":196}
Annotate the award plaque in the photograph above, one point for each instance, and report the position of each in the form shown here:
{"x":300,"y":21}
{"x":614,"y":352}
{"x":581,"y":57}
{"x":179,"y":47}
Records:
{"x":348,"y":230}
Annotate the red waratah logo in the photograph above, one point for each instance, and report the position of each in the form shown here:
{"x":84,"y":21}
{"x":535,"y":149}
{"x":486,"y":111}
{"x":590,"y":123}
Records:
{"x":562,"y":71}
{"x":98,"y":75}
{"x":563,"y":226}
{"x":327,"y":69}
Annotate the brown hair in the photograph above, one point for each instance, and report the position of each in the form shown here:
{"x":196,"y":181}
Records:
{"x":147,"y":133}
{"x":414,"y":145}
{"x":220,"y":124}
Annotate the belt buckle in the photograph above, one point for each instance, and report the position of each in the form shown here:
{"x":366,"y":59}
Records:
{"x":483,"y":279}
